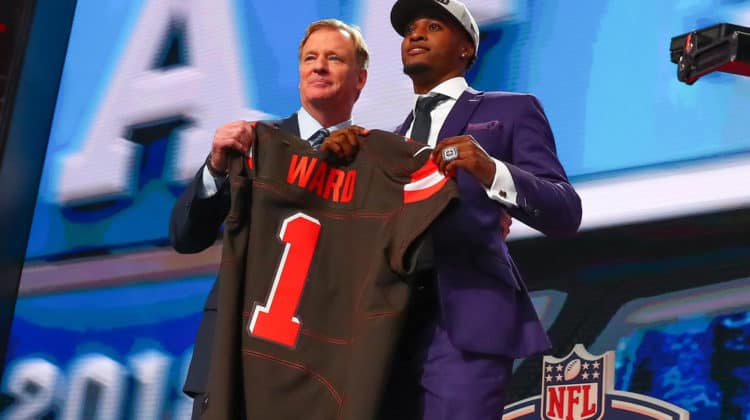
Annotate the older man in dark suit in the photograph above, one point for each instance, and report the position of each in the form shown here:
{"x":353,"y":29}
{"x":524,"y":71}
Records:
{"x":333,"y":60}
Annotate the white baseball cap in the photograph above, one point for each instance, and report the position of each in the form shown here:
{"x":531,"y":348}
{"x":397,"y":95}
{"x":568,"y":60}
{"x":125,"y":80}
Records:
{"x":404,"y":11}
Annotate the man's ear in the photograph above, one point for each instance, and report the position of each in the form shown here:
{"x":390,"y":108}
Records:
{"x":361,"y":79}
{"x":467,"y":47}
{"x":467,"y":52}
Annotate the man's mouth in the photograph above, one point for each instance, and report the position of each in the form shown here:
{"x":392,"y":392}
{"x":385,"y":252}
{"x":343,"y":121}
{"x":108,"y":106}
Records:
{"x":319,"y":83}
{"x":416,"y":50}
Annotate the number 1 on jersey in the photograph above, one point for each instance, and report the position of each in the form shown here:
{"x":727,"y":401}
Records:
{"x":275,"y":321}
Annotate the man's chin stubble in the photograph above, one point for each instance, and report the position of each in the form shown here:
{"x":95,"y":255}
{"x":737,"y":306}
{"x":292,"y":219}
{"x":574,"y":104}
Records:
{"x":416,"y":69}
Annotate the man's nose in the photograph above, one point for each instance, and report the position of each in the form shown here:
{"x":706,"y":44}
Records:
{"x":417,"y":33}
{"x":320,"y":64}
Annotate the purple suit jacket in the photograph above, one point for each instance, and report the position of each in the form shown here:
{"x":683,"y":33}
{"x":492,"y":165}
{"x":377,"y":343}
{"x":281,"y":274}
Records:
{"x":485,"y":304}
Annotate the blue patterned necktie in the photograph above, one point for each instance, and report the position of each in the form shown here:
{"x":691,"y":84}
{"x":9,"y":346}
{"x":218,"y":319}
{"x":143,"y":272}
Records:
{"x":317,"y":138}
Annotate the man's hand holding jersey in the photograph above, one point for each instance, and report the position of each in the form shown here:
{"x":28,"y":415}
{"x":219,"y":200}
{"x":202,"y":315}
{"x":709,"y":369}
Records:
{"x":468,"y":155}
{"x":236,"y":136}
{"x":343,"y":143}
{"x":471,"y":157}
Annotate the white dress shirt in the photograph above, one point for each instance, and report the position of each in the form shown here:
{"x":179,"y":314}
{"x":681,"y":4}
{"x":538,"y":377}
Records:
{"x":307,"y":127}
{"x":503,"y":189}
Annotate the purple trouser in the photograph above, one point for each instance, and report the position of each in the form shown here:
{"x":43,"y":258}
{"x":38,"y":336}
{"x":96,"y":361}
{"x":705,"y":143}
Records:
{"x":433,"y":380}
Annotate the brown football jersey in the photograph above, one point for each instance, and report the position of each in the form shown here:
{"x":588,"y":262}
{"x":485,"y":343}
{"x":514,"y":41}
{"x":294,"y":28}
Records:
{"x":312,"y":292}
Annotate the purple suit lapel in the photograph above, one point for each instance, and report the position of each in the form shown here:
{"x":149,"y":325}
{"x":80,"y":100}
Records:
{"x":401,"y":129}
{"x":457,"y":119}
{"x":459,"y":116}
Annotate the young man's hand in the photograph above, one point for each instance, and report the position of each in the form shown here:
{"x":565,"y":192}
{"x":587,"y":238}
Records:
{"x":343,"y":143}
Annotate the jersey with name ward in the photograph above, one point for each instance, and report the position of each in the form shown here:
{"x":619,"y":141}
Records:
{"x":312,"y":293}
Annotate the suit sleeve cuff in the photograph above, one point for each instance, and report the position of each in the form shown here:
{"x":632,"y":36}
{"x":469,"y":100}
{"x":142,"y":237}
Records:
{"x":503,"y":189}
{"x":210,"y":184}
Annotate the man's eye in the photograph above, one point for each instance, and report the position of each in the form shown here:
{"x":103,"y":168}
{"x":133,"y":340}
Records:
{"x":434,"y":27}
{"x":334,"y":58}
{"x":309,"y":58}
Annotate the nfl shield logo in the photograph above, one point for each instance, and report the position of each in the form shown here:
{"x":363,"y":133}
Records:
{"x":580,"y":386}
{"x":574,"y":387}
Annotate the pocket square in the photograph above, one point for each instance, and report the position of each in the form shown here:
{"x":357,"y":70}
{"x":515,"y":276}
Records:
{"x":487,"y":125}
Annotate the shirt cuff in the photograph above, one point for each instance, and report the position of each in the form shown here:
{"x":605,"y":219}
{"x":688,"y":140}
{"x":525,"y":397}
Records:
{"x":503,"y":189}
{"x":210,"y":184}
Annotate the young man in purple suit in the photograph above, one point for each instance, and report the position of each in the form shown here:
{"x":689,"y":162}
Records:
{"x":471,"y":315}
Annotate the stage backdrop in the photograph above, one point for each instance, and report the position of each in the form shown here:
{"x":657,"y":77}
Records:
{"x":107,"y":312}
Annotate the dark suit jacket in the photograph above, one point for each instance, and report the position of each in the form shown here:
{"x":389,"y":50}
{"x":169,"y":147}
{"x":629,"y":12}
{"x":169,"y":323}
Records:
{"x":193,"y":227}
{"x":485,"y":305}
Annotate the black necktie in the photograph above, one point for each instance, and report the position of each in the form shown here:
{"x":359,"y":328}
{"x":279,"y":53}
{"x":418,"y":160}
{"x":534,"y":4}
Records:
{"x":421,"y":129}
{"x":317,"y":138}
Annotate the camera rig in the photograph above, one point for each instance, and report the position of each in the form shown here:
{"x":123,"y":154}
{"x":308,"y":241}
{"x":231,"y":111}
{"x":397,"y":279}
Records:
{"x":723,"y":47}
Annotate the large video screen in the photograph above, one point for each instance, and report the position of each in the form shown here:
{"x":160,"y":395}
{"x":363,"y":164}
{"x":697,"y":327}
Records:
{"x":690,"y":346}
{"x":105,"y":301}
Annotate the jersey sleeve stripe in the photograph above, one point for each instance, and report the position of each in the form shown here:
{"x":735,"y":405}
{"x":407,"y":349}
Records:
{"x":426,"y":170}
{"x":425,"y":182}
{"x":413,"y":196}
{"x":250,"y":158}
{"x":253,"y":124}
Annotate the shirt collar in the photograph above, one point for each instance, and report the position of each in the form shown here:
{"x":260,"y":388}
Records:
{"x":309,"y":125}
{"x":453,"y":88}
